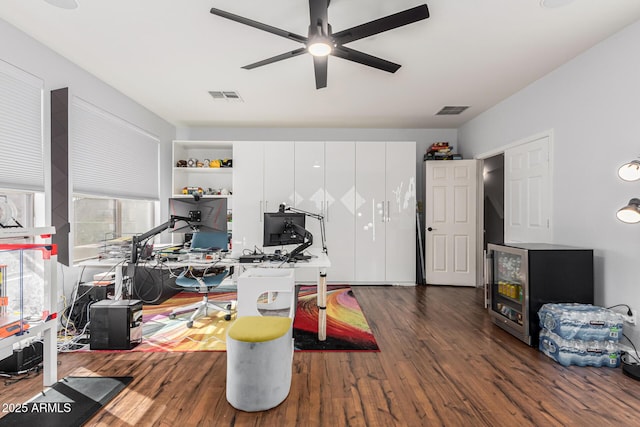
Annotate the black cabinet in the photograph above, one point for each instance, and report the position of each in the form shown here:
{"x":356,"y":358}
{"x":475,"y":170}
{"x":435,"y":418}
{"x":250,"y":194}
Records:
{"x":524,"y":276}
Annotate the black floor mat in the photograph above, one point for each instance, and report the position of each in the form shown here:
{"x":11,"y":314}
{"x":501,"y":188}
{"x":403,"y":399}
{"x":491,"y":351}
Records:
{"x":70,"y":402}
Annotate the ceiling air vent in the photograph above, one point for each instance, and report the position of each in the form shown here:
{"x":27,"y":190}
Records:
{"x":225,"y":95}
{"x":451,"y":110}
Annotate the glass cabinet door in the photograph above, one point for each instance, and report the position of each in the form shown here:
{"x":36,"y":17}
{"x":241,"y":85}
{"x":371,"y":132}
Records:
{"x":509,"y":287}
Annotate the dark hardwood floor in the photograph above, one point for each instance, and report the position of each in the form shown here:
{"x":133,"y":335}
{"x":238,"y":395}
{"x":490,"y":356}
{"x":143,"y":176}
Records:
{"x":442,"y":362}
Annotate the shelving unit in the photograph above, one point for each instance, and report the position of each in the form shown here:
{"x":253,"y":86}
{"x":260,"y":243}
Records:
{"x":215,"y":182}
{"x":30,"y":282}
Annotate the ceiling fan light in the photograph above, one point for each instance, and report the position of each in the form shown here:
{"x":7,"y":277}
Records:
{"x":319,"y":48}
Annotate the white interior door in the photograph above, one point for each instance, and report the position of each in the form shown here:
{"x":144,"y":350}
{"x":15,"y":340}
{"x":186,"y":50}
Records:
{"x":451,"y":222}
{"x":528,"y":192}
{"x":370,"y":211}
{"x":400,"y":216}
{"x":340,"y":194}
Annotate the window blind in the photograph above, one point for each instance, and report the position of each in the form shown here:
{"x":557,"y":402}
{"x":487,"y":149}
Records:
{"x":110,"y":156}
{"x":21,"y":101}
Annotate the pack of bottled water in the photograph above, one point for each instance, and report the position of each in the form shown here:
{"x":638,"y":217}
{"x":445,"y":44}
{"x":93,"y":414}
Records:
{"x":581,"y":322}
{"x":580,"y":334}
{"x":579,"y":352}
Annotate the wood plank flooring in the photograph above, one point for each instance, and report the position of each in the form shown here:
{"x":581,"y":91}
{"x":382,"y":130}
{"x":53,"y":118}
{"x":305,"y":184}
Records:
{"x":442,"y":362}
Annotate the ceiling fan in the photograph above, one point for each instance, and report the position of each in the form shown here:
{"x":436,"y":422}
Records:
{"x":322,"y":42}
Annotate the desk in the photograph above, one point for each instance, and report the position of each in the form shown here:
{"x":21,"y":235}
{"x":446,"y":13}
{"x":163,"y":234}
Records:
{"x":320,"y":262}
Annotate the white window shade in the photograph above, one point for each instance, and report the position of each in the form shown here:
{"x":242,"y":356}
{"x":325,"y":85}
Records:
{"x":21,"y":162}
{"x":111,"y":157}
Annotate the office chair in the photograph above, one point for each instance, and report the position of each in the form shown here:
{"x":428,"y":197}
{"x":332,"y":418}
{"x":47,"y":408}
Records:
{"x":205,"y":278}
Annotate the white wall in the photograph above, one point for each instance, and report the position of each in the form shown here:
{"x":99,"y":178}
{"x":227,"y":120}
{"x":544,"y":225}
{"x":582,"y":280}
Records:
{"x":591,"y":105}
{"x":23,"y":52}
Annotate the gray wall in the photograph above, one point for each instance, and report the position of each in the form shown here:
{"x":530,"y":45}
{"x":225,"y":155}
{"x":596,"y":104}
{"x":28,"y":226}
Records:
{"x":24,"y":52}
{"x":591,"y":106}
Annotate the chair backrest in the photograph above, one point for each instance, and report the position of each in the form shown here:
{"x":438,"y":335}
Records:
{"x":213,"y":240}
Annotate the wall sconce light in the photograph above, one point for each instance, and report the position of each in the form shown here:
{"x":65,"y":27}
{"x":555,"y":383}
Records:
{"x":630,"y":213}
{"x":630,"y":171}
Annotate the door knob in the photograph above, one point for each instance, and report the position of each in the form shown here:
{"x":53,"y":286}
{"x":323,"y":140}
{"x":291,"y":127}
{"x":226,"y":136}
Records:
{"x":429,"y":229}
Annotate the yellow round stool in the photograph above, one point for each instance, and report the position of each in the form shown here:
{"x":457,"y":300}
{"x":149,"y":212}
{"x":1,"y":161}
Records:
{"x":259,"y":362}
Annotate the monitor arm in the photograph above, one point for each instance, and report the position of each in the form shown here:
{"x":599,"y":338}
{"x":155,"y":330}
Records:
{"x":319,"y":217}
{"x":137,"y":240}
{"x":307,"y":237}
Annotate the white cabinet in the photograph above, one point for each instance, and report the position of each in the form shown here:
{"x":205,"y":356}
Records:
{"x":385,"y":227}
{"x":309,"y":184}
{"x":340,"y":191}
{"x":400,"y":218}
{"x":214,"y":181}
{"x":263,"y":177}
{"x":370,"y":214}
{"x":365,"y":190}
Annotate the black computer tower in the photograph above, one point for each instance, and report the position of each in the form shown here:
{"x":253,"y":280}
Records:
{"x":115,"y":325}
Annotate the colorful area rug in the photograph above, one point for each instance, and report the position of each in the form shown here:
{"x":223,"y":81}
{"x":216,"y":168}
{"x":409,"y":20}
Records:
{"x":347,"y":328}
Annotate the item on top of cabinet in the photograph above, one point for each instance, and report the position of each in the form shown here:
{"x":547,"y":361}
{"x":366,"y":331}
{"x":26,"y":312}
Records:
{"x":181,"y":164}
{"x":227,"y":163}
{"x":205,"y":163}
{"x":191,"y":163}
{"x":215,"y":163}
{"x":199,"y":164}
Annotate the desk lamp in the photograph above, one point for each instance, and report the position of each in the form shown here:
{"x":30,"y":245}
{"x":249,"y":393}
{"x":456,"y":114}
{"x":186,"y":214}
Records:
{"x":630,"y":214}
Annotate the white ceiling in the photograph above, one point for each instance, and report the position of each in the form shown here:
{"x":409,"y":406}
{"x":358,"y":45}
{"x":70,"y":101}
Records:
{"x":167,"y":55}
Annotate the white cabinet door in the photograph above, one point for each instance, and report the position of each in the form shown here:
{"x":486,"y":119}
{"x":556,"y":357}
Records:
{"x":309,"y":184}
{"x":400,"y":212}
{"x":340,"y":194}
{"x":247,"y":194}
{"x":278,"y":174}
{"x":370,"y":211}
{"x":450,"y":220}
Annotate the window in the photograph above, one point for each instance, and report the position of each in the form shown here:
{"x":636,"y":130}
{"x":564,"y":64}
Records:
{"x":98,"y":223}
{"x":16,"y":208}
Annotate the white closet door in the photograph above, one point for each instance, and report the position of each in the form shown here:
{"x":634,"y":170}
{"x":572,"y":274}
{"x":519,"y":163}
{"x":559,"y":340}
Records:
{"x":248,"y":204}
{"x":340,"y":195}
{"x":528,"y":192}
{"x":400,"y":212}
{"x":370,"y":211}
{"x":278,"y":174}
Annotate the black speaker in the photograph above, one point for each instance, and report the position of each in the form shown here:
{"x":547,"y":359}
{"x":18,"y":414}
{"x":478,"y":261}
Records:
{"x":115,"y":325}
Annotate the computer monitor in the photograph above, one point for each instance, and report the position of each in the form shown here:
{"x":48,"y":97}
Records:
{"x":207,"y":213}
{"x":279,"y":229}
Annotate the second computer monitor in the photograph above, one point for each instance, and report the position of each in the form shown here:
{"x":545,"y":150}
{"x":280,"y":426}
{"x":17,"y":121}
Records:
{"x":279,"y":229}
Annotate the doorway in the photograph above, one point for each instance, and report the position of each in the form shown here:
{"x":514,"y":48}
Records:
{"x":493,"y":204}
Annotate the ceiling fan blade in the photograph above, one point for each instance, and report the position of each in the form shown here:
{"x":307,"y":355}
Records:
{"x":387,"y":23}
{"x":276,"y":58}
{"x":365,"y":59}
{"x":320,"y":68}
{"x":259,"y":25}
{"x":318,"y":16}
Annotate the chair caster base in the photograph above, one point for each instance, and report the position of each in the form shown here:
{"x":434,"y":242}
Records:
{"x":189,"y":324}
{"x":227,"y":317}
